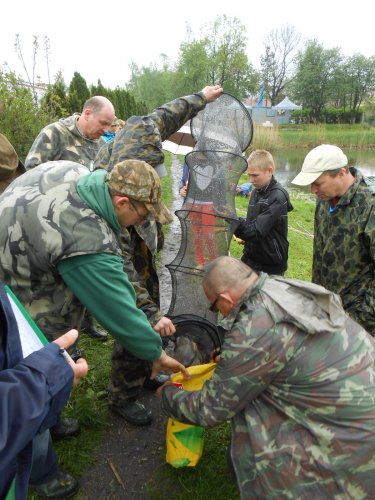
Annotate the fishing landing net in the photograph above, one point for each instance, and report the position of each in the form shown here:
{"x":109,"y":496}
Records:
{"x":223,"y":131}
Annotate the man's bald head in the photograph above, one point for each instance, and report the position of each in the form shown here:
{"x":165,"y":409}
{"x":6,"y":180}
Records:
{"x":97,"y":116}
{"x":224,"y":273}
{"x":98,"y":103}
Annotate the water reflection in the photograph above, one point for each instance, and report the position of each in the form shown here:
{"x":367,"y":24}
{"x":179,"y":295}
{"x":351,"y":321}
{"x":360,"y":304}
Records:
{"x":289,"y":163}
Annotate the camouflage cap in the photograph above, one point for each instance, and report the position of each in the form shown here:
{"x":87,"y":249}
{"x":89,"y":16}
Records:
{"x":138,"y":180}
{"x":10,"y":165}
{"x":8,"y":158}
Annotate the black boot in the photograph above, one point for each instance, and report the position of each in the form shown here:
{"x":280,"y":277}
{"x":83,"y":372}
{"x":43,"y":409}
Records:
{"x":92,"y":330}
{"x":133,"y":412}
{"x":60,"y":485}
{"x":65,"y":427}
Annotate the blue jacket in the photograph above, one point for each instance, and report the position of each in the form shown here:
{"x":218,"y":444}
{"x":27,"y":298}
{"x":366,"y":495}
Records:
{"x":33,"y":391}
{"x":108,"y":136}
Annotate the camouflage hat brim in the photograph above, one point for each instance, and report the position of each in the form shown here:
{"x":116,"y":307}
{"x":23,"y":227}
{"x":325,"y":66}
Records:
{"x":9,"y":161}
{"x":160,"y":212}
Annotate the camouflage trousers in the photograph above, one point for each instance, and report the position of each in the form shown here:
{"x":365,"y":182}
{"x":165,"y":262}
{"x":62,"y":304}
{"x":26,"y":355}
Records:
{"x":128,"y":372}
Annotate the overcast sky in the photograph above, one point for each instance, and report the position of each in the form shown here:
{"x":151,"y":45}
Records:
{"x":100,"y":39}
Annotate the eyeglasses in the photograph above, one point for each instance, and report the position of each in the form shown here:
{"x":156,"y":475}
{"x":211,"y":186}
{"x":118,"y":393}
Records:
{"x":141,"y":217}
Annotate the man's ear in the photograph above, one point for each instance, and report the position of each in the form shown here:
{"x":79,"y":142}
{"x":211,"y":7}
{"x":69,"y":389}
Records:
{"x":343,"y":172}
{"x":86,"y":113}
{"x":226,"y":296}
{"x":120,"y":200}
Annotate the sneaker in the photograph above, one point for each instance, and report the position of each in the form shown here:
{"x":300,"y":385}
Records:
{"x":61,"y":485}
{"x":65,"y":427}
{"x":134,"y":412}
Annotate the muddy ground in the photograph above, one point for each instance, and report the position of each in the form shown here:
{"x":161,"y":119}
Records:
{"x":129,"y":456}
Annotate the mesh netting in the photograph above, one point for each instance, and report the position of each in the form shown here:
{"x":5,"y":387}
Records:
{"x":223,"y":130}
{"x":224,"y":125}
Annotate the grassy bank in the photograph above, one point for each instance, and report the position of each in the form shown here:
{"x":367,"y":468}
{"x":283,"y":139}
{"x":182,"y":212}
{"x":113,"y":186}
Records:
{"x":309,"y":136}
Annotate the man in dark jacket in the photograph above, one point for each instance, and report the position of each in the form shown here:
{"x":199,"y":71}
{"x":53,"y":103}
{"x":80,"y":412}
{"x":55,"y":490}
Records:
{"x":264,"y":231}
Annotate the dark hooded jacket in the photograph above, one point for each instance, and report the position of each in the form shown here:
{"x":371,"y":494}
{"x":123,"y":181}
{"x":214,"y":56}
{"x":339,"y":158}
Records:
{"x":265,"y":229}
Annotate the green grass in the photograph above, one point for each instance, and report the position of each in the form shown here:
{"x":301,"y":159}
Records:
{"x":345,"y":136}
{"x":88,"y":403}
{"x":308,"y":136}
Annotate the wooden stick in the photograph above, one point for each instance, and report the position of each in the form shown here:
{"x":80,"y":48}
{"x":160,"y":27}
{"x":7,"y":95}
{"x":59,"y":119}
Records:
{"x":117,"y":475}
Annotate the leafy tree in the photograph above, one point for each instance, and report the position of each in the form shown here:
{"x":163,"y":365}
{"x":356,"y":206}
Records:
{"x":218,"y":57}
{"x":151,"y":85}
{"x":369,"y":109}
{"x":78,"y":93}
{"x":98,"y":89}
{"x":20,"y":119}
{"x":360,"y":73}
{"x":314,"y":81}
{"x":192,"y":71}
{"x":277,"y":63}
{"x":54,"y":101}
{"x":228,"y":62}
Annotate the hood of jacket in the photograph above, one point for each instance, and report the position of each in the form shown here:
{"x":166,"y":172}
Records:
{"x":310,"y":307}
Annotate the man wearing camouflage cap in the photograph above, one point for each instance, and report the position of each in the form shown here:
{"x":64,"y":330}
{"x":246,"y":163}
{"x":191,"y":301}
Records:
{"x":344,"y":230}
{"x":60,"y":249}
{"x":296,"y":377}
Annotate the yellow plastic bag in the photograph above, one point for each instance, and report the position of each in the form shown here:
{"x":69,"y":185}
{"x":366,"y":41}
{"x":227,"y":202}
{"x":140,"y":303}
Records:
{"x":185,"y":441}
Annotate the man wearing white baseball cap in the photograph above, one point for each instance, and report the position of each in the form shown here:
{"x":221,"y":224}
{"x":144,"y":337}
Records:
{"x":344,"y":234}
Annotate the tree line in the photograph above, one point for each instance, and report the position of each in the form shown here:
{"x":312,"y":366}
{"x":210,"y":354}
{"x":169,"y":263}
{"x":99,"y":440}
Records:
{"x":26,"y":107}
{"x":330,"y":86}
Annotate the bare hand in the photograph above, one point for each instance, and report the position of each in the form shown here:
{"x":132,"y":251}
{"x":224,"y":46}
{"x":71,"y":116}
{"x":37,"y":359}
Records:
{"x":183,"y":191}
{"x":238,"y":240}
{"x":212,"y":92}
{"x":165,"y":327}
{"x":168,"y":365}
{"x":80,"y":368}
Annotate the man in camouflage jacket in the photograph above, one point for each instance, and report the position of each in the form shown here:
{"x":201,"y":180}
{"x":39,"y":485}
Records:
{"x":296,"y":376}
{"x":76,"y":138}
{"x":142,"y":138}
{"x":344,"y":230}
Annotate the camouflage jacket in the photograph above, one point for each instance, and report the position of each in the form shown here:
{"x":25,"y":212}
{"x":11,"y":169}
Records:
{"x":43,"y":220}
{"x":62,"y":140}
{"x":344,"y":250}
{"x":142,"y":136}
{"x":297,"y":379}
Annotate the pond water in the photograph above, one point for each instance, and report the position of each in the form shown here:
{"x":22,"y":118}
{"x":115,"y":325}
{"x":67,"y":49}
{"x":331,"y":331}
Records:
{"x":289,"y":163}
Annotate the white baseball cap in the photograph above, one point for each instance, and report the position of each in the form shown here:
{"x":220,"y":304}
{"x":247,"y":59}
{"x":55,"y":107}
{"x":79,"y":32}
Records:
{"x":320,"y":159}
